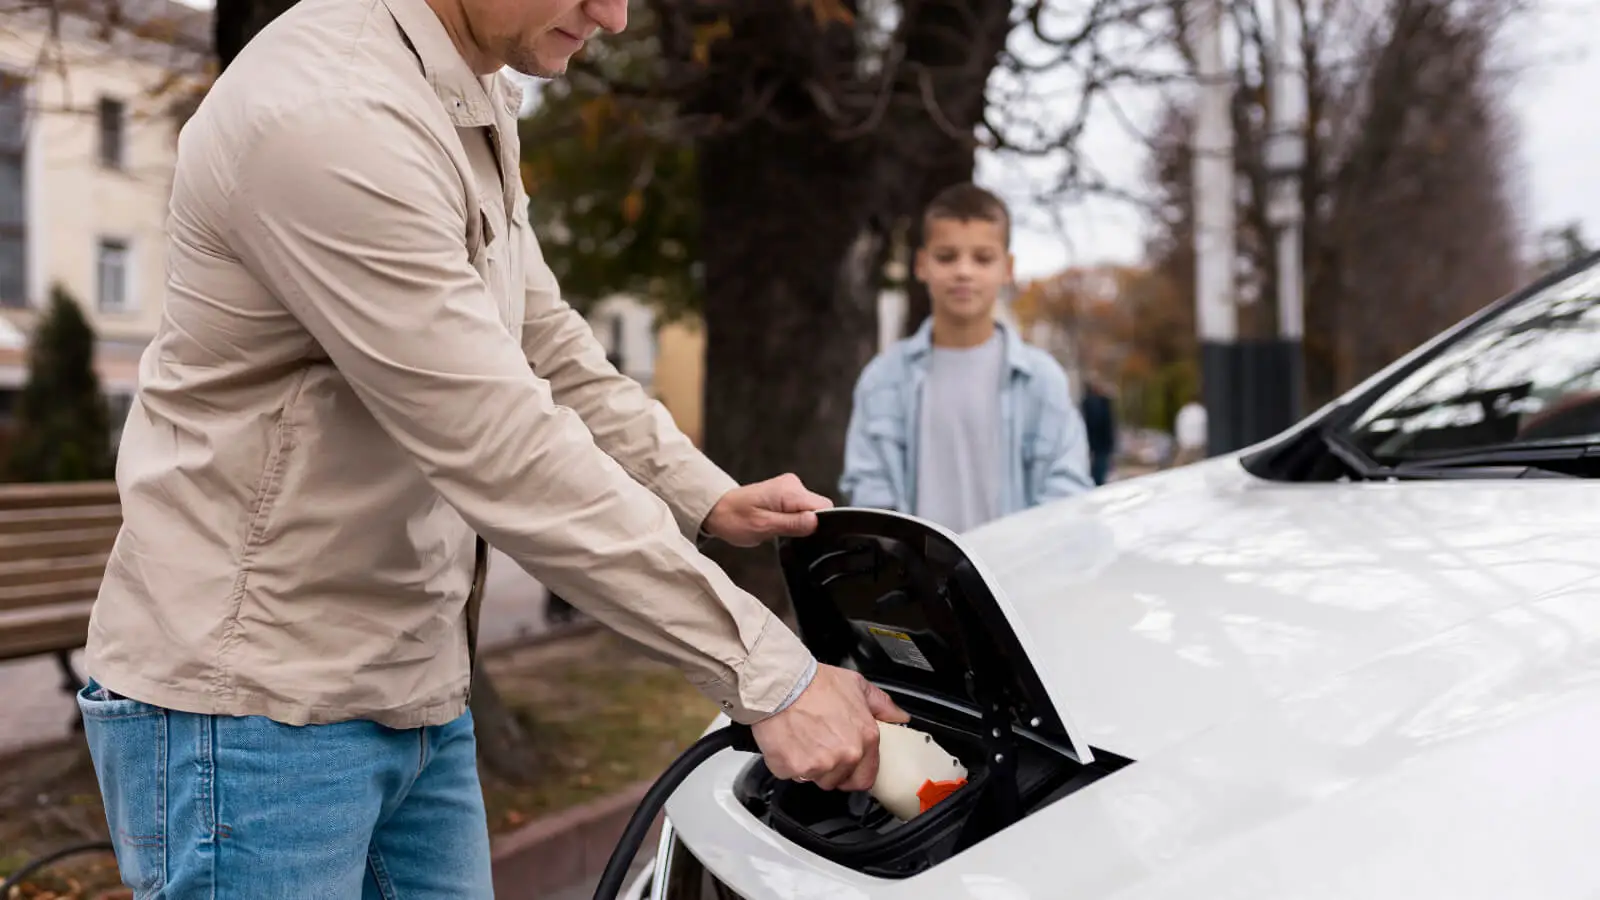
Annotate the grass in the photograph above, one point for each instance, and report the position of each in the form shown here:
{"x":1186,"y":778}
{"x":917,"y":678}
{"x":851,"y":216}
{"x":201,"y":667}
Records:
{"x":601,"y":718}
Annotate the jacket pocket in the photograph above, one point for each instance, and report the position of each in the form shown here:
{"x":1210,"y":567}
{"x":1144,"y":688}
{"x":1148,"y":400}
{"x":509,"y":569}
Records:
{"x":128,"y":745}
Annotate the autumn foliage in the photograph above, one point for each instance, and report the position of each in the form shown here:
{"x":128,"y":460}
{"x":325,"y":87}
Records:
{"x":1127,"y":327}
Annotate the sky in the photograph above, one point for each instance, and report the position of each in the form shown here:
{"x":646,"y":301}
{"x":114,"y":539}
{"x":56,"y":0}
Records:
{"x":1553,"y":79}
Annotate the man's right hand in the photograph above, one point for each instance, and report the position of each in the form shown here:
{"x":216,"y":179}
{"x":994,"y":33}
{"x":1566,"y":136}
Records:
{"x":829,"y":734}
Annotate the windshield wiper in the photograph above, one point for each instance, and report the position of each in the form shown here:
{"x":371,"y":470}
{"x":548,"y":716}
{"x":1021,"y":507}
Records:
{"x":1529,"y":459}
{"x":1532,"y":458}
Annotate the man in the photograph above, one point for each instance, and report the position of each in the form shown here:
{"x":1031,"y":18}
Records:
{"x":962,"y":422}
{"x":363,"y":360}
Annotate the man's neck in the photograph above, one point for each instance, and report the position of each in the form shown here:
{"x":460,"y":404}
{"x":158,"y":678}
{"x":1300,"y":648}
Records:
{"x":961,"y":334}
{"x":454,"y":19}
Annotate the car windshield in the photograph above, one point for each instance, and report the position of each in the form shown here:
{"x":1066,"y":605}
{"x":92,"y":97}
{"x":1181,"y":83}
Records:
{"x":1528,"y":374}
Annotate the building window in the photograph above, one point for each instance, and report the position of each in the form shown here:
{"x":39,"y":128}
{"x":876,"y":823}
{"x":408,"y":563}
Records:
{"x":112,"y":133}
{"x":13,"y":205}
{"x":112,"y":279}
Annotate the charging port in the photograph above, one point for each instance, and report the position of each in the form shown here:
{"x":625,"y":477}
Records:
{"x":900,"y":600}
{"x":852,"y":829}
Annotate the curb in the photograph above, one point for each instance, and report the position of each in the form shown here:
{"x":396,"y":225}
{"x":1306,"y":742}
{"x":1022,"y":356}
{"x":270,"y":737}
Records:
{"x":564,"y":848}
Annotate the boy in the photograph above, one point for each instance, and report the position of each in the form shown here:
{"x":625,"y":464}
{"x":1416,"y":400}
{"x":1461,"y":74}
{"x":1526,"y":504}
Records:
{"x":962,"y":422}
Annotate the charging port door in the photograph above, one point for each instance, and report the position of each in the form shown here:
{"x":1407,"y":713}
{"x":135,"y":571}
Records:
{"x":901,"y":601}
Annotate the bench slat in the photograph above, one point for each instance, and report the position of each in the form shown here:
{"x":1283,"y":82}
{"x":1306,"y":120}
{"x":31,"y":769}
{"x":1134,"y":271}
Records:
{"x":33,"y":521}
{"x":17,"y":573}
{"x":58,"y":495}
{"x":33,"y":632}
{"x":79,"y":542}
{"x":48,"y":594}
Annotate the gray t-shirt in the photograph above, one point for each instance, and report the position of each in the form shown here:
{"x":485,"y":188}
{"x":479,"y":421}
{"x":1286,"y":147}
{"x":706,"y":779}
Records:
{"x":959,"y":472}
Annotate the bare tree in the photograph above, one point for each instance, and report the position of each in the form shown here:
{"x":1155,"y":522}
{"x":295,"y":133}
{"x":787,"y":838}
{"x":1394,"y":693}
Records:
{"x":161,"y":48}
{"x":1409,"y":220}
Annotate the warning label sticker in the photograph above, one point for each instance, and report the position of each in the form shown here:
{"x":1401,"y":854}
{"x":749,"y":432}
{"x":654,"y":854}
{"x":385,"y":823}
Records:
{"x":900,"y":647}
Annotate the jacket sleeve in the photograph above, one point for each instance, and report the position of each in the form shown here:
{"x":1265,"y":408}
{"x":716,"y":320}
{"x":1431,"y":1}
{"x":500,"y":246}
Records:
{"x":865,"y":480}
{"x":351,"y":213}
{"x":1061,"y":460}
{"x":628,"y":424}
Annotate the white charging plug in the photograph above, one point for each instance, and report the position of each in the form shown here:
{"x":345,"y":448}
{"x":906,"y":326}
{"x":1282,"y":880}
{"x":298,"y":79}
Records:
{"x":907,"y":760}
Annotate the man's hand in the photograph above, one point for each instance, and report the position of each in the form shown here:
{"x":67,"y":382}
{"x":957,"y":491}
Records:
{"x":829,"y":734}
{"x":748,"y":515}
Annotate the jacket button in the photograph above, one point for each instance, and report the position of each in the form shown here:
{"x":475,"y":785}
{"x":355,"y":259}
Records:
{"x":727,"y":704}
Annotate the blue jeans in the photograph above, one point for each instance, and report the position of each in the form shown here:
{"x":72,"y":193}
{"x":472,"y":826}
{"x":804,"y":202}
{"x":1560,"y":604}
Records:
{"x":220,"y":808}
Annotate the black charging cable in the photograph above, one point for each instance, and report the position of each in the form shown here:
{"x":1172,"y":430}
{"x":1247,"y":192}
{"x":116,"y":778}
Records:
{"x":734,"y":736}
{"x":21,"y":874}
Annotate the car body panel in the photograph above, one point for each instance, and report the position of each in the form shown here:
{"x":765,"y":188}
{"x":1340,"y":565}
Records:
{"x":1330,"y":690}
{"x":1177,"y":601}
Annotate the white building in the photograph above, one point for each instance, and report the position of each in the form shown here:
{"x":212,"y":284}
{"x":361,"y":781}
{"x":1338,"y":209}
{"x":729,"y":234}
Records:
{"x":89,"y":116}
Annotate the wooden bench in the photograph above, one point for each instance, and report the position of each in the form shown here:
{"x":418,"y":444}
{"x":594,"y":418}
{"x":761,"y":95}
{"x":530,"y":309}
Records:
{"x":54,"y":539}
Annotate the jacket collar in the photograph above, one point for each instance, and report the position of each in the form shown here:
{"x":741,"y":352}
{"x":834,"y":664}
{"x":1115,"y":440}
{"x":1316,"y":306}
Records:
{"x":461,"y":91}
{"x":920,"y":344}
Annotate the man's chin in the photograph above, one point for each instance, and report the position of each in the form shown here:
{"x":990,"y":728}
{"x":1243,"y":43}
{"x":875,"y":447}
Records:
{"x":534,"y":67}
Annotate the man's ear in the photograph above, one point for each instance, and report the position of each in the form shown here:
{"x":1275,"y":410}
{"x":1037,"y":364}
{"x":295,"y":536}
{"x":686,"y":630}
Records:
{"x":1011,"y":268}
{"x":919,"y":265}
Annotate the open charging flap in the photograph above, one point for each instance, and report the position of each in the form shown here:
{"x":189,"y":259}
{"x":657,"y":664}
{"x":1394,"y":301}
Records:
{"x":900,"y":601}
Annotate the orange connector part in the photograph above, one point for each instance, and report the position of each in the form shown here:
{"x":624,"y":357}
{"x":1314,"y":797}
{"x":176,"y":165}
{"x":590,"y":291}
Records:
{"x":932,"y":792}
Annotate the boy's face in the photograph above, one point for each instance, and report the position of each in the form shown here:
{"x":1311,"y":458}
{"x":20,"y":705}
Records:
{"x":964,"y":264}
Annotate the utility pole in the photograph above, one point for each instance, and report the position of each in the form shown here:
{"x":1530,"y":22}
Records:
{"x":1285,"y":160}
{"x":1216,"y":316}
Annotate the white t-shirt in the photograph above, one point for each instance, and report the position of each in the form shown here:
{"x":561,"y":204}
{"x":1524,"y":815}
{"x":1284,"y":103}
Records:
{"x":961,"y":471}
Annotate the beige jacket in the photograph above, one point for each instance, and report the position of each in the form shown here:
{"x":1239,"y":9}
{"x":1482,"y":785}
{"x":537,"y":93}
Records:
{"x":363,"y":361}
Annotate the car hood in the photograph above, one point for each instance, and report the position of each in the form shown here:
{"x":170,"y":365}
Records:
{"x":1176,"y":602}
{"x":1337,"y":690}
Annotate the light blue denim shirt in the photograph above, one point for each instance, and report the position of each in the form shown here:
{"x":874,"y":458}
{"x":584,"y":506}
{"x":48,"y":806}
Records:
{"x":1046,"y":447}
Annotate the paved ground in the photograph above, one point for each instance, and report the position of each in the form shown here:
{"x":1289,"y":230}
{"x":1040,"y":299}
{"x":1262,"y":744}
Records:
{"x":584,"y":890}
{"x":36,"y":710}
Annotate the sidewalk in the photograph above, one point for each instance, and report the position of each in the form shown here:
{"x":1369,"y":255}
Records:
{"x":37,"y":711}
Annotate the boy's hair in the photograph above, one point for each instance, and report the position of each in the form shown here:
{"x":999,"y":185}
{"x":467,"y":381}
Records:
{"x":966,"y":202}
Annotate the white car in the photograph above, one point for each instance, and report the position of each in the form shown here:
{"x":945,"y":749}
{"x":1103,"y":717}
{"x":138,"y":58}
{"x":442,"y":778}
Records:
{"x":1361,"y":660}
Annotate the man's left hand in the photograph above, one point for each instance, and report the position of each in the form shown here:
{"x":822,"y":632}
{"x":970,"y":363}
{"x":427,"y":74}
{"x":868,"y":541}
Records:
{"x":777,"y":507}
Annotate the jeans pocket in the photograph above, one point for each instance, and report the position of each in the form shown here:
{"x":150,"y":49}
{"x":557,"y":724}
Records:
{"x":128,"y":744}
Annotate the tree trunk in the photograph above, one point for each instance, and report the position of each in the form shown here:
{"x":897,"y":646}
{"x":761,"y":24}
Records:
{"x":796,"y":224}
{"x":791,"y":266}
{"x":955,"y":44}
{"x":504,"y":746}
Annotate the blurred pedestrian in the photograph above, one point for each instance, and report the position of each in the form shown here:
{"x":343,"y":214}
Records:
{"x":1100,"y":423}
{"x":963,"y":422}
{"x":1190,"y":433}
